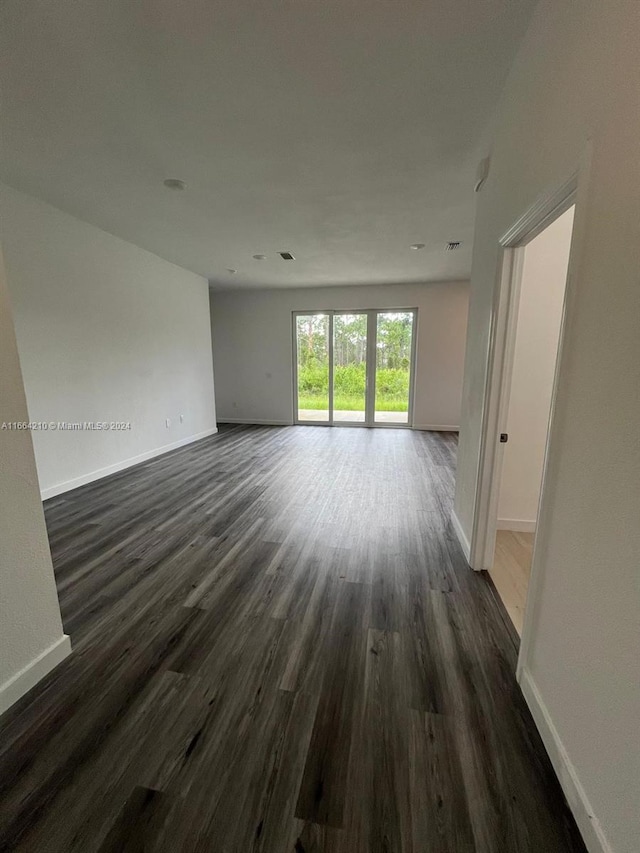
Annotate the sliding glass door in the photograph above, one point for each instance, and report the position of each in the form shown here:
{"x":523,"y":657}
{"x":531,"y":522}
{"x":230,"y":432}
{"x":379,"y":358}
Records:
{"x":313,"y":354}
{"x":394,"y":349}
{"x":350,"y":368}
{"x":354,"y":368}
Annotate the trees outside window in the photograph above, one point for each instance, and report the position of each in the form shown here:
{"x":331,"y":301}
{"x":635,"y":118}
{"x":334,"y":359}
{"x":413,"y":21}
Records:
{"x":393,"y":359}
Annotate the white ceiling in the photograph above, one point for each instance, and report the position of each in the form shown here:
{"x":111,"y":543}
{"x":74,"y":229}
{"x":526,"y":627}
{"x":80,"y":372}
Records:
{"x":340,"y":130}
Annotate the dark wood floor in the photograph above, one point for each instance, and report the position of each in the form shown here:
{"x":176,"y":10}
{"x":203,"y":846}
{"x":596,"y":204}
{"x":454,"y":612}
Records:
{"x":277,"y":647}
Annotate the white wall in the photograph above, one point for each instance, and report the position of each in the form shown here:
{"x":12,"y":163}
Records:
{"x":542,"y":289}
{"x":574,"y":91}
{"x":252,"y":346}
{"x":106,"y":332}
{"x":31,"y":638}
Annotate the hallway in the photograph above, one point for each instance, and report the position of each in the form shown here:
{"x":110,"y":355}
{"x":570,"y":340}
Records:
{"x":278,"y":646}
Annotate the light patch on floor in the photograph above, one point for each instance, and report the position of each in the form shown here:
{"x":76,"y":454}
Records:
{"x":511,"y":570}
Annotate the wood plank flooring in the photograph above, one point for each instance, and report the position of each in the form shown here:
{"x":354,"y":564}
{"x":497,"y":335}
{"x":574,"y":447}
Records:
{"x":277,"y":647}
{"x":511,"y":570}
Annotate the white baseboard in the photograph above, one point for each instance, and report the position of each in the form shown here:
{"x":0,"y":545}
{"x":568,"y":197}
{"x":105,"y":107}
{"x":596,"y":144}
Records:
{"x":588,"y":824}
{"x":437,"y":427}
{"x":256,"y":421}
{"x":98,"y":474}
{"x":519,"y":525}
{"x":464,"y":542}
{"x":30,"y":675}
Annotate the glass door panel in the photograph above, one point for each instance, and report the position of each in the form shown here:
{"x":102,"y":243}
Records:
{"x":312,"y":348}
{"x":349,"y":368}
{"x":394,"y":341}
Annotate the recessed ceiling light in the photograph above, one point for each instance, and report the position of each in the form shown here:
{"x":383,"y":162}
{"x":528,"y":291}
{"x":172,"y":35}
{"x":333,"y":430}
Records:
{"x":174,"y":184}
{"x":260,"y":257}
{"x":233,"y":272}
{"x":417,"y":246}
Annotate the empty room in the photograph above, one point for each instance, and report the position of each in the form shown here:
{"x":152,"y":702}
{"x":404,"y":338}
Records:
{"x":320,"y":479}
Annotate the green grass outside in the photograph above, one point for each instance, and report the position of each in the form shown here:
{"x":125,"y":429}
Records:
{"x":343,"y":403}
{"x":392,"y":388}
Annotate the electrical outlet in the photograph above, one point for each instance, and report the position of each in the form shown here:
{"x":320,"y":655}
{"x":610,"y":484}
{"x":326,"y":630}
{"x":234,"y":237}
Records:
{"x":168,"y":423}
{"x":181,"y":419}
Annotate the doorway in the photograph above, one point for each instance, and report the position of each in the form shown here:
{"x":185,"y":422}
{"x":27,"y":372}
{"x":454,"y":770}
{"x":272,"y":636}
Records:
{"x":533,"y":337}
{"x":354,"y":368}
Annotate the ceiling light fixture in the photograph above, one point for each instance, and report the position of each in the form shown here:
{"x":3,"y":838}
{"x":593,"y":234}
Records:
{"x":260,"y":257}
{"x":233,"y":272}
{"x":417,"y":246}
{"x":174,"y":184}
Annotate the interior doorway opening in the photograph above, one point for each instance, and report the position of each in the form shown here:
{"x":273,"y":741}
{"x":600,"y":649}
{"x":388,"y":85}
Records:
{"x":354,"y":368}
{"x":534,"y":328}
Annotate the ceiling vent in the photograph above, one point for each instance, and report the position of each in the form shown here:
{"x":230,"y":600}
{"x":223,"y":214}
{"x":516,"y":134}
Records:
{"x":286,"y":256}
{"x":453,"y":245}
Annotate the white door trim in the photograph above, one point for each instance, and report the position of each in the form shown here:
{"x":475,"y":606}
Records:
{"x":548,"y":207}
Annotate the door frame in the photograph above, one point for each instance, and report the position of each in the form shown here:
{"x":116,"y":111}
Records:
{"x":549,"y":206}
{"x":370,"y":398}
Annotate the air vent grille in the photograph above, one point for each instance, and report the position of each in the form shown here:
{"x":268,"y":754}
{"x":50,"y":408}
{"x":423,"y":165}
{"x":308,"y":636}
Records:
{"x":453,"y":245}
{"x":286,"y":256}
